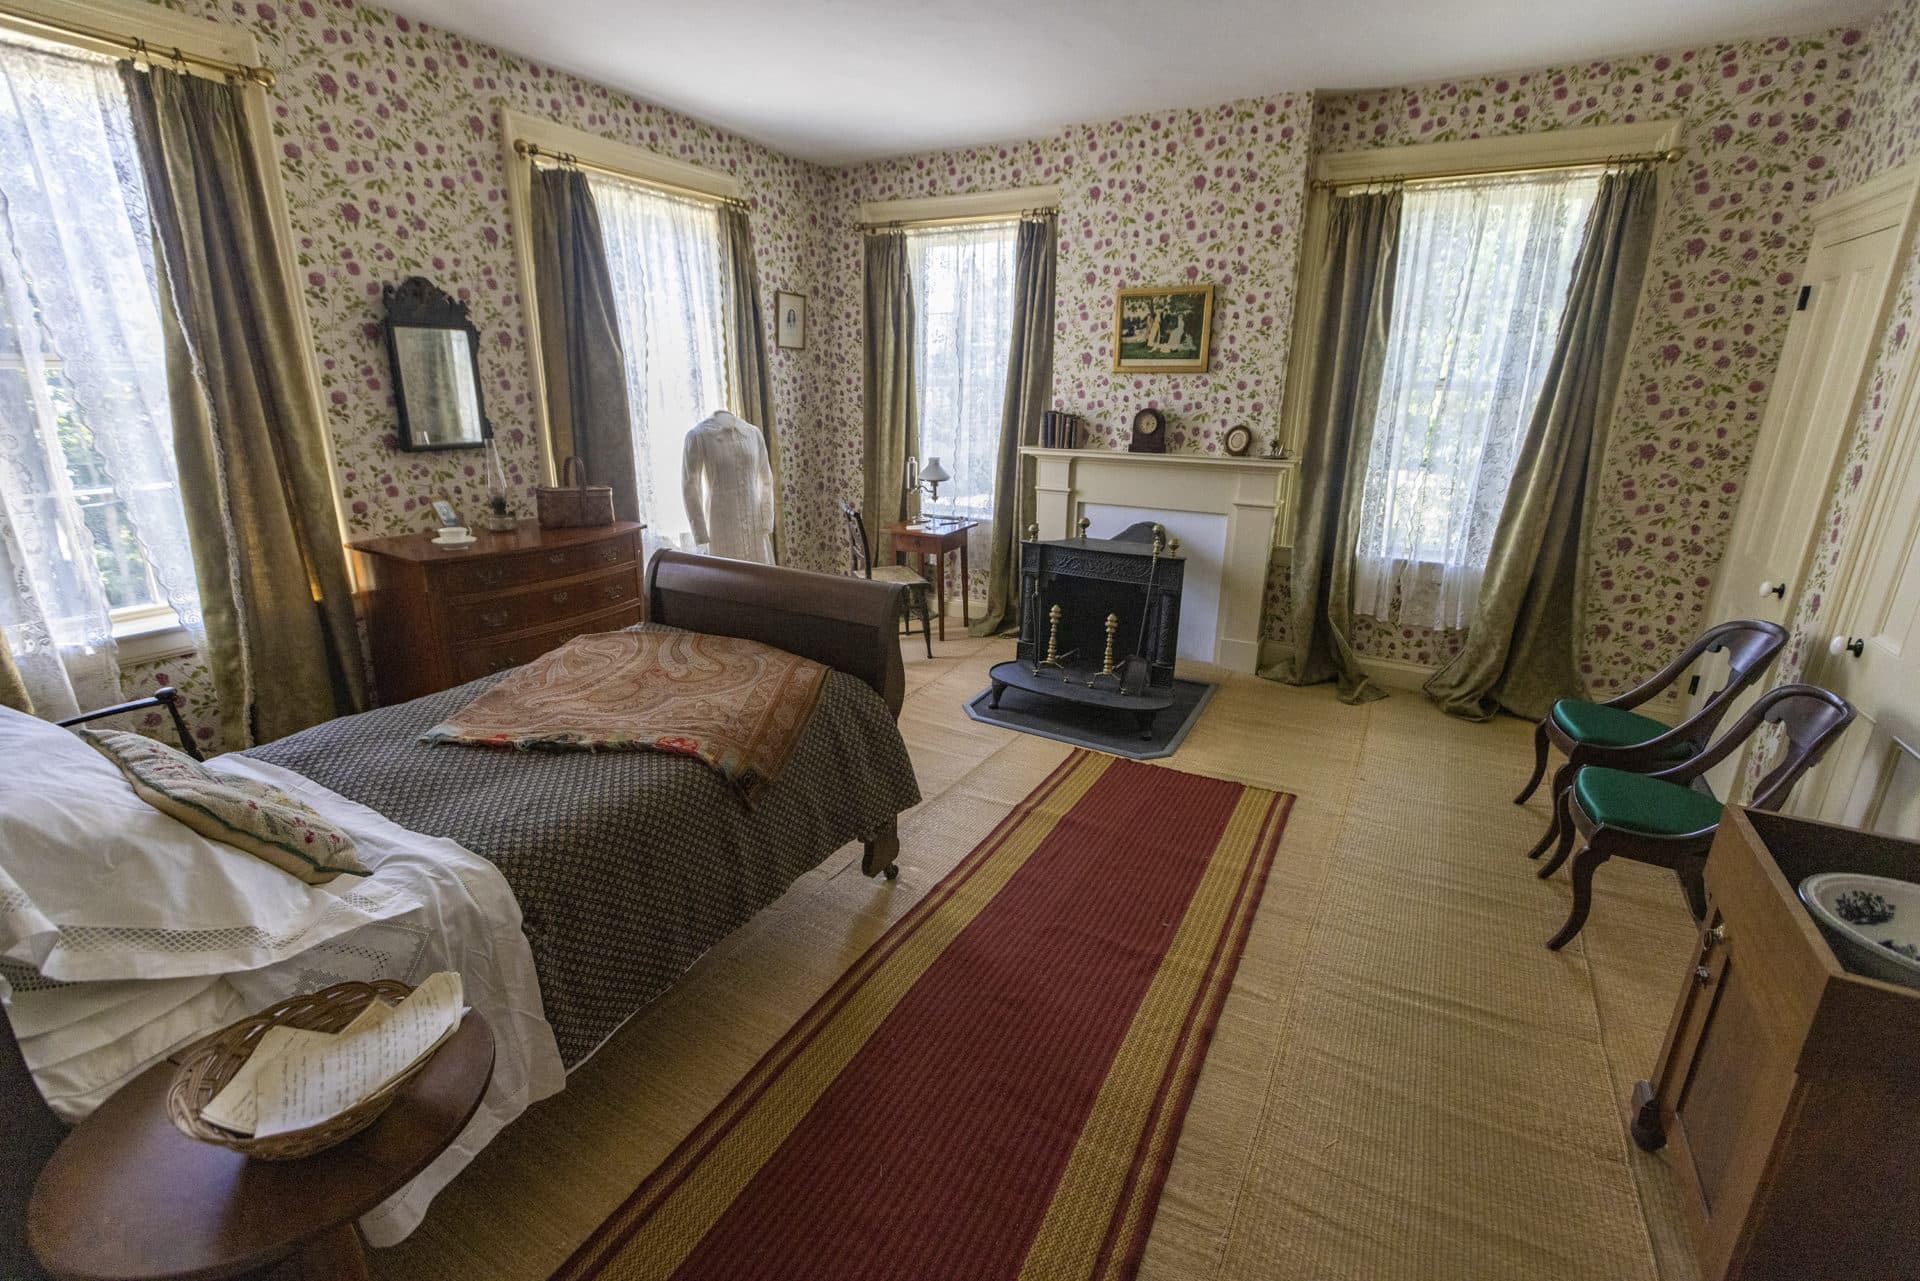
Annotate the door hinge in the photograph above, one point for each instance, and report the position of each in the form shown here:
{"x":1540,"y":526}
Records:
{"x":1806,"y":296}
{"x":1693,"y":685}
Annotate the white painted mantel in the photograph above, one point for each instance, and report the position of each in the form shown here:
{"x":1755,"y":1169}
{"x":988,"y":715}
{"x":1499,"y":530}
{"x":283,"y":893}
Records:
{"x":1250,"y":494}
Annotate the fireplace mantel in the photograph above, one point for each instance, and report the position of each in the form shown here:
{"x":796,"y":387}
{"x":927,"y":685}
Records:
{"x":1251,"y":495}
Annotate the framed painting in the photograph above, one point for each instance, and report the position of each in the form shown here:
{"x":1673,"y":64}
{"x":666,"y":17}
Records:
{"x":1165,"y":330}
{"x":790,"y":328}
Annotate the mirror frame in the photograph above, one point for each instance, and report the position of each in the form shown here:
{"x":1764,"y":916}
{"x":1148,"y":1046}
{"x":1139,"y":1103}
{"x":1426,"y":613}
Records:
{"x":417,"y":303}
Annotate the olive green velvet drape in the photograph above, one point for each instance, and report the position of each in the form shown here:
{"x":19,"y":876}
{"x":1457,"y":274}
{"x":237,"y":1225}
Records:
{"x":1029,"y":395}
{"x":248,"y":436}
{"x":585,"y":370}
{"x":1520,"y":648}
{"x":13,"y":690}
{"x":1362,"y":247}
{"x":892,"y":428}
{"x":752,"y":372}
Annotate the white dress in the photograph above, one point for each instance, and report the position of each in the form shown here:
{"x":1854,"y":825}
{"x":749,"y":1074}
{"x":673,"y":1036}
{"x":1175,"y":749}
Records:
{"x":727,"y":483}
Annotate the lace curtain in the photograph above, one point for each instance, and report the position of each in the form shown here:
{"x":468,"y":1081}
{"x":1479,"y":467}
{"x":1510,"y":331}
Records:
{"x":963,"y":308}
{"x":1482,"y":278}
{"x":90,"y":517}
{"x":663,"y":254}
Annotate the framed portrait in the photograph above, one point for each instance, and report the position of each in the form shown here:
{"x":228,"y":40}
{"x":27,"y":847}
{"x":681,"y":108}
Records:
{"x":1166,"y":330}
{"x":790,"y":323}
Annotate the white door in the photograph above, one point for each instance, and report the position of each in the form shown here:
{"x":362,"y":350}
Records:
{"x":1859,"y":238}
{"x":1871,"y":777}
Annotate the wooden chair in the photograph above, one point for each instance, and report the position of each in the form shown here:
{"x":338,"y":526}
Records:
{"x":919,"y":590}
{"x":1612,"y":735}
{"x":1660,"y":818}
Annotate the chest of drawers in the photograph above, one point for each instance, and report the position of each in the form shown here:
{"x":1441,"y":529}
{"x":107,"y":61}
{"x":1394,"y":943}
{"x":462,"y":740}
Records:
{"x":440,"y":616}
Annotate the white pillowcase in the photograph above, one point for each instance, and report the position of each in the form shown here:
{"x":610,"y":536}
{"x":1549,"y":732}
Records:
{"x":97,"y":884}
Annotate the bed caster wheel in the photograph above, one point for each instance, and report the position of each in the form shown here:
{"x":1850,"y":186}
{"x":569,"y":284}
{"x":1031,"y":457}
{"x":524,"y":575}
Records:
{"x":893,"y":872}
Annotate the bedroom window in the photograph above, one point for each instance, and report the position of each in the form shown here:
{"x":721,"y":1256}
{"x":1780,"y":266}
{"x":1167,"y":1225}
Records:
{"x":963,"y":311}
{"x":664,"y":255}
{"x":1483,"y":272}
{"x":93,"y":540}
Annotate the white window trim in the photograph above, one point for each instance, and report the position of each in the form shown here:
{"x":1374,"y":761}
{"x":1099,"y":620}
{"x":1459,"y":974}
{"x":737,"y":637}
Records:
{"x":1010,"y":203}
{"x":1586,"y":145}
{"x":221,"y":42}
{"x":556,"y":139}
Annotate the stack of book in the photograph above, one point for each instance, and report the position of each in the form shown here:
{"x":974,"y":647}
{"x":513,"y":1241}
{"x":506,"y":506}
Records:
{"x":1059,"y":430}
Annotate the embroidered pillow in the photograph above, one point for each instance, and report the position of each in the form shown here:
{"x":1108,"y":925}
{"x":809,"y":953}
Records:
{"x":254,"y":817}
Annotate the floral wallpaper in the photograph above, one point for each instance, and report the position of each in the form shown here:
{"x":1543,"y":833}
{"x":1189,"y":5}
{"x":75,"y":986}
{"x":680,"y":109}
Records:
{"x":1765,"y":123}
{"x":390,"y":154}
{"x":1208,"y":194}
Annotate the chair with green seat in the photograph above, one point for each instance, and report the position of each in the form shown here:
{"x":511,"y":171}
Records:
{"x":1662,"y":818}
{"x":1613,"y":735}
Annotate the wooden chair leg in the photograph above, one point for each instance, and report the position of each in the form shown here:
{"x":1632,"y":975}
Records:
{"x":1539,"y":763}
{"x":1555,"y":826}
{"x":1564,"y":816}
{"x":1584,"y":864}
{"x":926,"y":624}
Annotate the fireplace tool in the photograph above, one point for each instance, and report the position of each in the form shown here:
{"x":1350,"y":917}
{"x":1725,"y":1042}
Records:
{"x":1136,"y":671}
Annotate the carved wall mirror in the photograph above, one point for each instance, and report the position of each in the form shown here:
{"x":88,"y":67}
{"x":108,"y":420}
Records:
{"x":435,"y":352}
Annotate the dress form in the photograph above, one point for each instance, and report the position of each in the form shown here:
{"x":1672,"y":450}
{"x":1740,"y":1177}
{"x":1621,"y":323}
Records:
{"x":727,"y":483}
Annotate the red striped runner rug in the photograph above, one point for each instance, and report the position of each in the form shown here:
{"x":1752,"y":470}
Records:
{"x":994,"y":1090}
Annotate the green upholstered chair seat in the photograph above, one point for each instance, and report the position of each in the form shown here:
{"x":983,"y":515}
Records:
{"x":1615,"y":798}
{"x":1598,"y":725}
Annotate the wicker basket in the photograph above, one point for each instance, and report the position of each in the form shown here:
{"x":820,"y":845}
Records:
{"x":571,"y":506}
{"x":206,"y":1068}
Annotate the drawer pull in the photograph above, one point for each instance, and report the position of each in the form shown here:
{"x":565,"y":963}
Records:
{"x":501,"y":662}
{"x":489,"y":575}
{"x":494,"y":618}
{"x":1702,"y":975}
{"x":560,"y":598}
{"x":613,"y":591}
{"x":608,"y":555}
{"x":556,"y":558}
{"x":1713,"y":938}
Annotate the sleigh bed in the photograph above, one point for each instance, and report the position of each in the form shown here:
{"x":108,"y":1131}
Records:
{"x":625,"y":866}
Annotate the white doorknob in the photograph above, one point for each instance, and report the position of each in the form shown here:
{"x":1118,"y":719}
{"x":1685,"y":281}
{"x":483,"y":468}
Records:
{"x":1846,"y":645}
{"x":1770,"y":588}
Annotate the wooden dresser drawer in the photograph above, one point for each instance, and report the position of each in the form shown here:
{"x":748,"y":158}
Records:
{"x":540,"y":606}
{"x":470,"y":661}
{"x":438,"y":617}
{"x":539,"y":566}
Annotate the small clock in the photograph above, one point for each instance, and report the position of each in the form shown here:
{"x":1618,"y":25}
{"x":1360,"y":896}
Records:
{"x":1149,"y":432}
{"x":1239,"y":441}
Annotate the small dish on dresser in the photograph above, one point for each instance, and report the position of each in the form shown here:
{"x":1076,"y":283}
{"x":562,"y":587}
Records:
{"x":1873,"y":922}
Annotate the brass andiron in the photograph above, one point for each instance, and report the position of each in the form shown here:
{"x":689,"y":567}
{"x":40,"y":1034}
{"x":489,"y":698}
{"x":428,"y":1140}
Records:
{"x":1106,"y":664}
{"x":1053,"y":643}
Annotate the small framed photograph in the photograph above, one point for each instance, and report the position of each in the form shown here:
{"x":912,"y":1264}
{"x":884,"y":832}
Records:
{"x":1166,"y":330}
{"x":790,"y":323}
{"x":444,"y":510}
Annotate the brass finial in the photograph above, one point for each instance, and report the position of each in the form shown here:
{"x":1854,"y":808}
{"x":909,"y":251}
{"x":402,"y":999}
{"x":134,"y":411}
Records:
{"x":1084,"y":524}
{"x":1033,"y":533}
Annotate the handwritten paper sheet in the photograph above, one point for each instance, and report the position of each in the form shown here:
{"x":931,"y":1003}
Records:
{"x":295,"y":1079}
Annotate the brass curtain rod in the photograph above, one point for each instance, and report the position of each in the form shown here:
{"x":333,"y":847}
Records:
{"x":1666,"y":157}
{"x":910,"y":224}
{"x":142,"y":50}
{"x":533,"y":153}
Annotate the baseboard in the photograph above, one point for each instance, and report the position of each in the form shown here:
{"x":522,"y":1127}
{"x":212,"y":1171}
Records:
{"x":1394,"y":673}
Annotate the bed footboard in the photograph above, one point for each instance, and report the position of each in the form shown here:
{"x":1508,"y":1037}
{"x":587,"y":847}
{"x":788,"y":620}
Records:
{"x":849,"y":624}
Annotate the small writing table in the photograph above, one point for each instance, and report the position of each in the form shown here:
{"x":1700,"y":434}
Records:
{"x":129,"y":1198}
{"x":935,"y":536}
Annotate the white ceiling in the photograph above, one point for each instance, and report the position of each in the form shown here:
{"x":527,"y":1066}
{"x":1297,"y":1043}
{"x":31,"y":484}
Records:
{"x":837,"y":81}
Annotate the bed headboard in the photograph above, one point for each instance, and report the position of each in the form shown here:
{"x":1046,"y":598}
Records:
{"x":849,"y":624}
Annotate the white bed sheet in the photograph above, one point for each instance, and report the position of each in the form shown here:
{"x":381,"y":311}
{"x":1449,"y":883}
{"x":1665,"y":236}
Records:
{"x":82,"y":1041}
